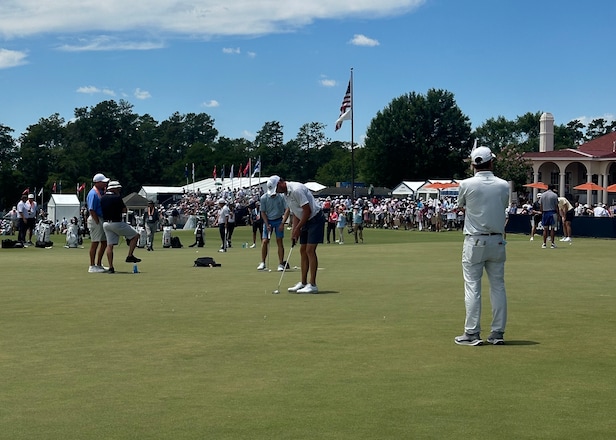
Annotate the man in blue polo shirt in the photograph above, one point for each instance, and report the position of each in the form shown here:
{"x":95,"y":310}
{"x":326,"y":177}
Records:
{"x":274,"y":213}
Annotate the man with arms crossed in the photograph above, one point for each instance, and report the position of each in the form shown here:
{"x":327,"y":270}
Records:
{"x":308,"y":221}
{"x":274,"y":213}
{"x":484,"y":198}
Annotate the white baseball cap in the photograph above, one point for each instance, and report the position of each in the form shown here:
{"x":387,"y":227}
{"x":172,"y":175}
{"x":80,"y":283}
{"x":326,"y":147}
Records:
{"x":481,"y":155}
{"x":272,"y":183}
{"x":100,"y":178}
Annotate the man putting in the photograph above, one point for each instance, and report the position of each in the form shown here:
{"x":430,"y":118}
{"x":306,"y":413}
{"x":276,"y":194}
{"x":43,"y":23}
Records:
{"x":308,"y":221}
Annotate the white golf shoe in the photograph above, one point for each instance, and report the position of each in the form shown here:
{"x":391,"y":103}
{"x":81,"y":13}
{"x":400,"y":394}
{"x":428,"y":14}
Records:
{"x":308,"y":288}
{"x":297,"y":287}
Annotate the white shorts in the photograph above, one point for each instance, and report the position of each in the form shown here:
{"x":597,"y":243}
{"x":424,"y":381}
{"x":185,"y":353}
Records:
{"x":113,"y":231}
{"x":97,"y":233}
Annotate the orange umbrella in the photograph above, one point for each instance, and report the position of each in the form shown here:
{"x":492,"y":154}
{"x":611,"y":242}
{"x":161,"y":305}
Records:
{"x":538,"y":185}
{"x":441,"y":185}
{"x":611,"y":188}
{"x":589,"y":186}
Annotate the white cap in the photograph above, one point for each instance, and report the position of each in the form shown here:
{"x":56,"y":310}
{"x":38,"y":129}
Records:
{"x":222,"y":202}
{"x":100,"y":178}
{"x":481,"y":155}
{"x":272,"y":183}
{"x":114,"y":184}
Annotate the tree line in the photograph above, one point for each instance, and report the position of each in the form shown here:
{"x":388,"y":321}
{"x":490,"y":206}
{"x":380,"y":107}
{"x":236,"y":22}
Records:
{"x":415,"y":137}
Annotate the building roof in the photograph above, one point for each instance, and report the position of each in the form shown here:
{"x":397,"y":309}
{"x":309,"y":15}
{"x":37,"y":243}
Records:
{"x":601,"y":148}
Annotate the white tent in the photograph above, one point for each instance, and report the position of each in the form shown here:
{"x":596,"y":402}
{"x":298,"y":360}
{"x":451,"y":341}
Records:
{"x":407,"y":188}
{"x":314,"y":186}
{"x":152,"y":192}
{"x":207,"y":185}
{"x":62,"y":206}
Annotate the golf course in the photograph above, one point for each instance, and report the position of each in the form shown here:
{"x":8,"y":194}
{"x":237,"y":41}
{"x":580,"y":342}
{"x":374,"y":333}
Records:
{"x":183,"y":352}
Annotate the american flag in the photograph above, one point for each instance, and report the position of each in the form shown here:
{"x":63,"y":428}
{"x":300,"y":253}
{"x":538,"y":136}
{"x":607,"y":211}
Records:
{"x":345,"y":108}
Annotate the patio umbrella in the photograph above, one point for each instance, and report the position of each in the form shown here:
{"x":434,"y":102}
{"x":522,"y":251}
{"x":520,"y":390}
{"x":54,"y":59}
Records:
{"x":611,"y":188}
{"x":589,"y":186}
{"x":538,"y":185}
{"x":441,"y":185}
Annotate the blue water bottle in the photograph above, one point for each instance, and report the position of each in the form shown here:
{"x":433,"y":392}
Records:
{"x":135,"y":269}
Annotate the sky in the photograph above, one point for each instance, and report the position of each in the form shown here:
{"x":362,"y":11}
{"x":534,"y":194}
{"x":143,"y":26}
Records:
{"x":248,"y":62}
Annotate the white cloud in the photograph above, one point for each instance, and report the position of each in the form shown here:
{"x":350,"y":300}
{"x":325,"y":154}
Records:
{"x":142,"y":94}
{"x":248,"y":135}
{"x":609,"y":117}
{"x":211,"y":103}
{"x":251,"y":54}
{"x":107,"y":43}
{"x":362,"y":40}
{"x":11,"y":58}
{"x":328,"y":82}
{"x":202,"y":18}
{"x":92,"y":90}
{"x":230,"y":50}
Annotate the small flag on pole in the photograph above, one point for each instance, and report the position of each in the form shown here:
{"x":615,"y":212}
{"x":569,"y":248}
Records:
{"x":53,"y":188}
{"x":222,"y":174}
{"x":193,"y":171}
{"x":247,"y":168}
{"x":231,"y":172}
{"x":40,"y":193}
{"x":214,"y":173}
{"x":81,"y":187}
{"x":257,"y":168}
{"x":345,"y":108}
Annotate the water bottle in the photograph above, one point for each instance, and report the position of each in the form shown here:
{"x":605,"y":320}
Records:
{"x":135,"y":268}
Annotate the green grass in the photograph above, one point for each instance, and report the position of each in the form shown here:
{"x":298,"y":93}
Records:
{"x":178,"y":352}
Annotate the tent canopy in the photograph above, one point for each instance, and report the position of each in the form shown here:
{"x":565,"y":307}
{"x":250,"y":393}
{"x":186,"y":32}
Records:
{"x":63,"y":206}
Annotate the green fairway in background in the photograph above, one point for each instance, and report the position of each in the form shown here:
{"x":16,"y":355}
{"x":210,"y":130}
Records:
{"x":183,"y":352}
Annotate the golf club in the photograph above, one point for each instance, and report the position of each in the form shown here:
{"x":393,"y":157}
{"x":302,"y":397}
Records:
{"x":285,"y":267}
{"x":269,"y":239}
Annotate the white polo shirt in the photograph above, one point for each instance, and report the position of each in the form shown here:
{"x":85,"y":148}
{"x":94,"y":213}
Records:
{"x":298,"y":195}
{"x":485,"y":198}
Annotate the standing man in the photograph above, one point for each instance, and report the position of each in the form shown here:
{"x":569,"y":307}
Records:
{"x":95,"y":223}
{"x":223,"y":223}
{"x":257,"y":223}
{"x":549,"y":208}
{"x":567,"y":212}
{"x":30,"y":213}
{"x":274,"y":212}
{"x":150,"y":217}
{"x":113,"y":207}
{"x":308,"y":227}
{"x":484,"y":198}
{"x":21,"y":213}
{"x":358,"y":223}
{"x":535,"y":216}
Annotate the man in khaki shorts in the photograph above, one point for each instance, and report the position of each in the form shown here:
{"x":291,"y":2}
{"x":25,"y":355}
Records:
{"x":95,"y":223}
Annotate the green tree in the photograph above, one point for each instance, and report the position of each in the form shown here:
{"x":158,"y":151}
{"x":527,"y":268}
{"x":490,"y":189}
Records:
{"x":8,"y":164}
{"x":416,"y":137}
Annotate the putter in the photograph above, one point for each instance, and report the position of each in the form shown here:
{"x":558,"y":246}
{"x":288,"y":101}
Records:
{"x":285,"y":267}
{"x":269,"y":239}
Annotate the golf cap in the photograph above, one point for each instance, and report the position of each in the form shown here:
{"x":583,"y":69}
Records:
{"x":114,"y":184}
{"x":222,"y":202}
{"x":150,"y":202}
{"x":539,"y":195}
{"x":30,"y":196}
{"x":100,"y":178}
{"x":272,"y":183}
{"x":481,"y":155}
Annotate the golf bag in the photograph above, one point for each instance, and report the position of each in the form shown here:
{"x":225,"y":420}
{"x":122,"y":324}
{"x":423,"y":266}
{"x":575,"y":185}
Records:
{"x":11,"y":244}
{"x":143,"y":237}
{"x":175,"y":242}
{"x":44,"y":234}
{"x":166,"y":236}
{"x":72,"y":236}
{"x":199,"y":236}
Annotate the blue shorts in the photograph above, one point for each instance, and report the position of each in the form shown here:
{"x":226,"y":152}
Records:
{"x":313,"y":231}
{"x":274,"y":224}
{"x":548,"y":218}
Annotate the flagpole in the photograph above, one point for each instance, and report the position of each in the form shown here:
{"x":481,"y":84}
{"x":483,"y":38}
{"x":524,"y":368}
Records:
{"x":352,"y":145}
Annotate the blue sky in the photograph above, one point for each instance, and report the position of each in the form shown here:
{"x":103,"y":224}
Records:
{"x":247,"y":62}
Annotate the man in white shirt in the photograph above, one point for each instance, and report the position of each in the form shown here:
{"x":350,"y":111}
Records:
{"x":308,"y":228}
{"x":484,"y":198}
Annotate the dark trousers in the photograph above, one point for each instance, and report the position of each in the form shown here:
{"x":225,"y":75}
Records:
{"x":331,"y":229}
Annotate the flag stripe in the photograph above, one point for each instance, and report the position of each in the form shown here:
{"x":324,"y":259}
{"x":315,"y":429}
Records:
{"x":345,"y":107}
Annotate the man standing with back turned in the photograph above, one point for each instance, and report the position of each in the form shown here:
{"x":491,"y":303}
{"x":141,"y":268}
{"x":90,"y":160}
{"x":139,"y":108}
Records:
{"x":484,"y":198}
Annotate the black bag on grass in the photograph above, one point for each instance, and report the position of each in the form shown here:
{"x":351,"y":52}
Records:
{"x":175,"y":242}
{"x":206,"y":262}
